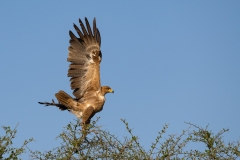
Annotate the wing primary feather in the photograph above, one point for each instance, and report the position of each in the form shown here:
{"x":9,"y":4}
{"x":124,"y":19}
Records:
{"x":99,"y":37}
{"x":73,"y":37}
{"x":88,"y":27}
{"x":86,"y":38}
{"x":94,"y":28}
{"x":78,"y":31}
{"x":83,"y":27}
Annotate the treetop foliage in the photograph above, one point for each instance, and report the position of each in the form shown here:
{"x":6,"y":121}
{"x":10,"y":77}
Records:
{"x":92,"y":142}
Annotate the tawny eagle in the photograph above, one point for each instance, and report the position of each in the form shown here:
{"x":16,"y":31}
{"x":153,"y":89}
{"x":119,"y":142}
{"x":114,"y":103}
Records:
{"x":85,"y":57}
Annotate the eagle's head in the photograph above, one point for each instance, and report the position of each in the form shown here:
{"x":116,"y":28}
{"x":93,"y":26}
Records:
{"x":106,"y":89}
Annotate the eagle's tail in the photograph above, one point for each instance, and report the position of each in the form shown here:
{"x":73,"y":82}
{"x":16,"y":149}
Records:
{"x":66,"y":100}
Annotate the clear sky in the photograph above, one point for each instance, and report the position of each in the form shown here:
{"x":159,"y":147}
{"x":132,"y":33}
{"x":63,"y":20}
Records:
{"x":167,"y":61}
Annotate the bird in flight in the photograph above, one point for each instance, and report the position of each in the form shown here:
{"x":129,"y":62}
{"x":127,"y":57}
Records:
{"x":85,"y":57}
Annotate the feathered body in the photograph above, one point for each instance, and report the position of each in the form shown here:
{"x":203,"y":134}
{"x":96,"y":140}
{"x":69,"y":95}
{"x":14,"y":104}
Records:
{"x":85,"y":57}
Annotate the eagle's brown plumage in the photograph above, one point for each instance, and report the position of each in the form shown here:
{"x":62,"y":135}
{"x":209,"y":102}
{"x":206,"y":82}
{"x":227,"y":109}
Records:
{"x":85,"y":57}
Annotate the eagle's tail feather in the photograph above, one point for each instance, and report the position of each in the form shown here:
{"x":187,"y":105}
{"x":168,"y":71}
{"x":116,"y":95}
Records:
{"x":65,"y":99}
{"x":60,"y":106}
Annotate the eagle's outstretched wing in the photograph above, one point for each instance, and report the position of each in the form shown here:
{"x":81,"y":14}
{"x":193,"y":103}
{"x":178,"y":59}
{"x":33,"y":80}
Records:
{"x":85,"y":57}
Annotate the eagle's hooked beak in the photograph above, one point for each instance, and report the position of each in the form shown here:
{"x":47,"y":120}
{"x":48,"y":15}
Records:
{"x":111,"y":91}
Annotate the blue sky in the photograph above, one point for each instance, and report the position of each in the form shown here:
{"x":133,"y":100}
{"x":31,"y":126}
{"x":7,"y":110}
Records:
{"x":169,"y":62}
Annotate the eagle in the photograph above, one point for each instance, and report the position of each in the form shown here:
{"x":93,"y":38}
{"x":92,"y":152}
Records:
{"x":85,"y":57}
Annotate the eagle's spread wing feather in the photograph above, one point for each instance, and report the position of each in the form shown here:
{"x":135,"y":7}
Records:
{"x":85,"y":57}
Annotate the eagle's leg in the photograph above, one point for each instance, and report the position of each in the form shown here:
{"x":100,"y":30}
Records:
{"x":60,"y":106}
{"x":86,"y":118}
{"x":87,"y":114}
